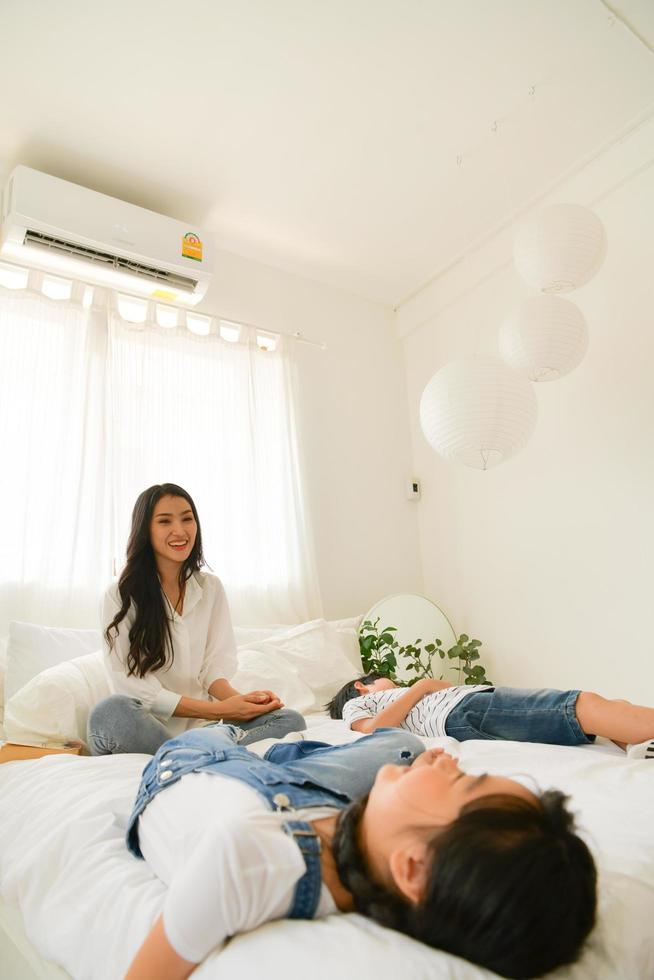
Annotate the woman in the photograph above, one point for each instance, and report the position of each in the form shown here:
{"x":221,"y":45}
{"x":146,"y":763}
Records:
{"x":169,"y":643}
{"x":476,"y":866}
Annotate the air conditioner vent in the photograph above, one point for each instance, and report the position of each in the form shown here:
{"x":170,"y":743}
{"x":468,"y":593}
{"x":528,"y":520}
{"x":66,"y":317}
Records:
{"x":170,"y":279}
{"x":53,"y":225}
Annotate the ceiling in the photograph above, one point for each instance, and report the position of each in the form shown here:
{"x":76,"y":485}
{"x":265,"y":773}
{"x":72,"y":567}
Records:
{"x":349,"y":141}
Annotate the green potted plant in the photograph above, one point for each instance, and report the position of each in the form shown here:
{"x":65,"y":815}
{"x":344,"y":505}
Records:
{"x":380,"y":651}
{"x":378,"y":648}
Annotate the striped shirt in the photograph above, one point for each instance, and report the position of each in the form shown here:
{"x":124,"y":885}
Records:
{"x":426,"y":718}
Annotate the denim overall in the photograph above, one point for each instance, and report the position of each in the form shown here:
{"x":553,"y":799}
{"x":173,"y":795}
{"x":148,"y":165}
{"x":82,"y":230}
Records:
{"x":291,"y":776}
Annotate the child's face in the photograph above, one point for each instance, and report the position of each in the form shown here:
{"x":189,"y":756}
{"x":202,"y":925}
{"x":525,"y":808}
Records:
{"x":382,"y":684}
{"x":431,"y":791}
{"x":407,"y":805}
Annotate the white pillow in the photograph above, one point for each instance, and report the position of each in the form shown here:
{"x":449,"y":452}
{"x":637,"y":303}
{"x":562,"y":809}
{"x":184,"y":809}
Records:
{"x":54,"y":706}
{"x":32,"y":649}
{"x":348,"y":634}
{"x":244,"y":635}
{"x":305,"y":665}
{"x":259,"y":670}
{"x":347,"y":630}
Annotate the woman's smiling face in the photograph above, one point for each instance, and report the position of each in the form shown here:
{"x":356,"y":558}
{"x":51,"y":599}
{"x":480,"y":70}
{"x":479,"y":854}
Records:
{"x":173,"y":529}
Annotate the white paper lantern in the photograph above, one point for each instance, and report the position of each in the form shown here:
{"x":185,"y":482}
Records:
{"x":560,"y":248}
{"x":478,"y":411}
{"x":544,"y":338}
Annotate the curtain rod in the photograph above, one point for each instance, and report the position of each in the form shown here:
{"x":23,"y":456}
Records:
{"x":296,"y":335}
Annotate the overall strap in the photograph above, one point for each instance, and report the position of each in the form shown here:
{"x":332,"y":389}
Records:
{"x":307,"y":890}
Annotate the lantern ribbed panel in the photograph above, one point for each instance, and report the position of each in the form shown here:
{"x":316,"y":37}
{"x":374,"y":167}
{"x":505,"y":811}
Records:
{"x":477,"y":411}
{"x":559,"y":248}
{"x":544,"y":338}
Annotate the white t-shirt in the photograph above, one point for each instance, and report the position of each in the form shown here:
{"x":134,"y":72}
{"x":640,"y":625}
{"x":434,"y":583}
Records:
{"x":228,"y":864}
{"x":204,"y":648}
{"x":426,"y":718}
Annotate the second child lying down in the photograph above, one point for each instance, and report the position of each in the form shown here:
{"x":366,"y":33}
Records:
{"x":436,"y":708}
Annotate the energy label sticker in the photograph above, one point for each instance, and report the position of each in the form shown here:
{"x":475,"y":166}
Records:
{"x":192,"y":246}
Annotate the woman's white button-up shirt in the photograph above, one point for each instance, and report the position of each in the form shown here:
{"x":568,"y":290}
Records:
{"x":204,"y":651}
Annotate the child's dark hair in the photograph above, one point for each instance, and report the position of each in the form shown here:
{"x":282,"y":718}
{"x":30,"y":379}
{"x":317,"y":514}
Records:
{"x":347,"y":692}
{"x":511,"y":886}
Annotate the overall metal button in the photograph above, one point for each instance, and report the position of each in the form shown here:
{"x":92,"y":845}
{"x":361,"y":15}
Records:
{"x":166,"y":775}
{"x":281,"y":800}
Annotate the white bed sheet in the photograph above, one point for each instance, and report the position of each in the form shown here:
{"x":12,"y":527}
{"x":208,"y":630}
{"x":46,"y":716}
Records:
{"x":86,"y":904}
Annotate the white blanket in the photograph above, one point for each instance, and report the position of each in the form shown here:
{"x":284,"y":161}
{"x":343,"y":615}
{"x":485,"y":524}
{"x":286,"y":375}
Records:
{"x":87,"y":904}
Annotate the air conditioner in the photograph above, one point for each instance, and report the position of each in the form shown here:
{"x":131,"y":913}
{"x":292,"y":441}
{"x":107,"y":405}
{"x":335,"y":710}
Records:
{"x":51,"y":224}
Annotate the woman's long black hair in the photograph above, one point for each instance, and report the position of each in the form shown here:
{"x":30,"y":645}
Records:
{"x":150,"y":641}
{"x":511,"y":886}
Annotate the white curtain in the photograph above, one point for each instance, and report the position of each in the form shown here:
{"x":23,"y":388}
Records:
{"x":93,"y":409}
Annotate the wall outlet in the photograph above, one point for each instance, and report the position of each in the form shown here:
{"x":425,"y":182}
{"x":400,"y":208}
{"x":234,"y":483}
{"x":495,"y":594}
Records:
{"x":413,"y":490}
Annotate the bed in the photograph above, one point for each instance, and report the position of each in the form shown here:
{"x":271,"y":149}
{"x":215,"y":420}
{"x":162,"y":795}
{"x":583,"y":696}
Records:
{"x":75,"y":903}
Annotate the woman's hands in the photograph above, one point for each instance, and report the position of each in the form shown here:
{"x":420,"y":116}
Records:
{"x":261,"y":697}
{"x":244,"y":707}
{"x":231,"y":705}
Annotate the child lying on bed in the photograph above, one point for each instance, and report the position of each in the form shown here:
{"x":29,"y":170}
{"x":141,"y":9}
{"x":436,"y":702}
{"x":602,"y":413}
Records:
{"x":477,"y":866}
{"x":435,"y":708}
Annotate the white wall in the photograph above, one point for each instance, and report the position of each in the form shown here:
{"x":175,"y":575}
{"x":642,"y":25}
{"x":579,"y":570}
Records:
{"x":548,"y":558}
{"x":353,"y":419}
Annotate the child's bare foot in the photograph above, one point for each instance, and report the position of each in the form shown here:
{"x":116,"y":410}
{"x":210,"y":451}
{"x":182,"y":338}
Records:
{"x":642,"y":750}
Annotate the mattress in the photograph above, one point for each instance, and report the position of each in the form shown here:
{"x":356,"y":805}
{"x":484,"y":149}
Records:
{"x":84,"y":904}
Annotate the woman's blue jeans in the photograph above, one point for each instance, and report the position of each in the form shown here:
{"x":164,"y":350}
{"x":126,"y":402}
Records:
{"x":121,"y":724}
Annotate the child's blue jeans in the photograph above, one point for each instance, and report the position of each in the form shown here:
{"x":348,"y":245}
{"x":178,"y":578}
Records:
{"x":518,"y":715}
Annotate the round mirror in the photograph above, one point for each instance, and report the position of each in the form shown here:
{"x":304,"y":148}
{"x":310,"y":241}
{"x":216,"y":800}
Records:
{"x":415,"y":617}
